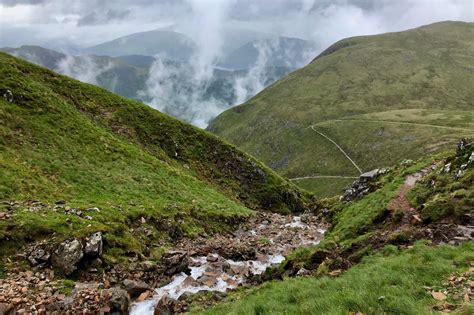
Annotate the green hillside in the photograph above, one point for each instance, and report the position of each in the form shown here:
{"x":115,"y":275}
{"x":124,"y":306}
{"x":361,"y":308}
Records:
{"x":62,"y":141}
{"x":383,"y":256}
{"x":375,"y":99}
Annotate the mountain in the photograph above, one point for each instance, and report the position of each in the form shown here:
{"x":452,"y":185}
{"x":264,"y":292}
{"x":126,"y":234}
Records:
{"x":180,"y":92}
{"x":66,"y":147}
{"x":363,"y":103}
{"x":125,"y":75}
{"x":273,"y":52}
{"x":166,"y":44}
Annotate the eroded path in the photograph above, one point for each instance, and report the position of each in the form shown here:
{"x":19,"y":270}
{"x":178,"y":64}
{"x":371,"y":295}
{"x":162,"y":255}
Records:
{"x":227,"y":261}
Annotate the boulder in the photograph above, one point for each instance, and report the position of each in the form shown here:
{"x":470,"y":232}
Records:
{"x":165,"y":306}
{"x":119,"y":300}
{"x":135,"y":288}
{"x":362,"y":186}
{"x":39,"y":255}
{"x":175,"y":262}
{"x":66,"y":256}
{"x":94,"y":245}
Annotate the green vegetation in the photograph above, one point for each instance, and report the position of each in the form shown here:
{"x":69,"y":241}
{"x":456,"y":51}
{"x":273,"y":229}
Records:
{"x":382,"y":98}
{"x":381,"y":276}
{"x":62,"y":140}
{"x":392,"y":281}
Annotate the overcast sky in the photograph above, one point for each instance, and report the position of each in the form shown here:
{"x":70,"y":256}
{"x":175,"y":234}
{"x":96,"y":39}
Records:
{"x":88,"y":22}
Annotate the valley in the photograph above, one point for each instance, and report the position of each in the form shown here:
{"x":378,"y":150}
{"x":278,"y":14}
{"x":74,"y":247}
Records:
{"x":340,"y":186}
{"x":381,"y":98}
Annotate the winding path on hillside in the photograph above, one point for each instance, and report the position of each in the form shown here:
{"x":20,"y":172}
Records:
{"x":323,"y":176}
{"x":404,"y":123}
{"x":339,"y":147}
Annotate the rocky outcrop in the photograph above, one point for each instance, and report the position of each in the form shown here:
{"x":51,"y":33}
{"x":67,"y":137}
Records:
{"x":362,"y":186}
{"x":66,"y":256}
{"x":175,"y":262}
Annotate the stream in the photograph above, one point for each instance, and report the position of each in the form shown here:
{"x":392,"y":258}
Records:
{"x":272,"y":237}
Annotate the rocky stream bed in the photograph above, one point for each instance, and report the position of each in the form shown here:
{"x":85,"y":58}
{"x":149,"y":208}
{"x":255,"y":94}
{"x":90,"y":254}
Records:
{"x":193,"y":267}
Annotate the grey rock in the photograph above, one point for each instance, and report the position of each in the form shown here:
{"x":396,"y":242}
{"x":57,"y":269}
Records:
{"x":39,"y":255}
{"x":119,"y":301}
{"x":368,"y":176}
{"x":175,"y":262}
{"x":8,"y":96}
{"x":135,"y":288}
{"x":94,"y":245}
{"x":165,"y":306}
{"x":66,"y":256}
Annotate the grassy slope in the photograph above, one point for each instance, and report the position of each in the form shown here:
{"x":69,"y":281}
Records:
{"x":382,"y":98}
{"x":391,"y":282}
{"x":64,"y":140}
{"x":397,"y":275}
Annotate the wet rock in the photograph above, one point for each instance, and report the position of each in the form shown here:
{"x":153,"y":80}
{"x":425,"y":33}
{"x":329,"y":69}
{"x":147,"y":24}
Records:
{"x":94,"y":245}
{"x":119,"y":300}
{"x":135,"y":288}
{"x":67,"y":255}
{"x":212,"y":258}
{"x":39,"y":255}
{"x":175,"y":262}
{"x":165,"y":306}
{"x":209,"y":281}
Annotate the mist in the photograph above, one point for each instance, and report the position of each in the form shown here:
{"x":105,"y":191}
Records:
{"x":217,"y":27}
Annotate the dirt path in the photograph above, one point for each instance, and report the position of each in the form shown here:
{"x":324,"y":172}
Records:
{"x":401,"y":202}
{"x":405,"y":123}
{"x":322,"y":176}
{"x":339,"y":147}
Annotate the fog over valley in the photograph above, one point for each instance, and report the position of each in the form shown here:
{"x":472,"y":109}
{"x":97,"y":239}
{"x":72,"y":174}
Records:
{"x":195,"y":58}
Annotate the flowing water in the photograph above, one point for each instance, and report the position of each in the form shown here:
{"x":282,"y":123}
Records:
{"x":205,"y":276}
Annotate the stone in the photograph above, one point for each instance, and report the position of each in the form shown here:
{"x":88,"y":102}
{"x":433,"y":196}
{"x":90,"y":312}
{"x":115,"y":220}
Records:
{"x":143,"y":296}
{"x":66,"y":256}
{"x":368,"y":176}
{"x":165,"y":306}
{"x":94,"y":245}
{"x":135,"y":288}
{"x":8,"y":96}
{"x":440,"y":296}
{"x":5,"y":308}
{"x":39,"y":255}
{"x":175,"y":262}
{"x":212,"y":257}
{"x":119,"y":300}
{"x":209,"y":281}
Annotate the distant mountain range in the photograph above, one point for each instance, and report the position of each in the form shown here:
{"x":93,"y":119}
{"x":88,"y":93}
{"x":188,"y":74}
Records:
{"x":128,"y":75}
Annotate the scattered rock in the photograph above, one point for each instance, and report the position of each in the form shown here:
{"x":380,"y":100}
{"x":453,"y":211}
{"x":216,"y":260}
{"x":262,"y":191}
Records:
{"x":361,"y":186}
{"x":67,"y":255}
